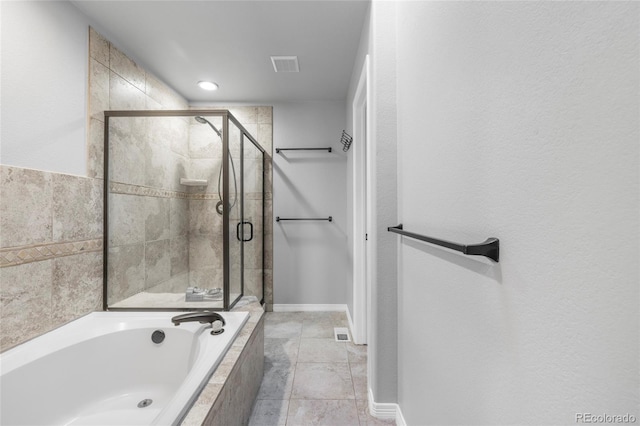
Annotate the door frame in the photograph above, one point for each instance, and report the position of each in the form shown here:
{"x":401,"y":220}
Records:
{"x":362,"y":197}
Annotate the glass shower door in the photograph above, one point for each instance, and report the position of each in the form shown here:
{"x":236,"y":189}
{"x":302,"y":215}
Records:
{"x":252,"y":219}
{"x":235,"y":206}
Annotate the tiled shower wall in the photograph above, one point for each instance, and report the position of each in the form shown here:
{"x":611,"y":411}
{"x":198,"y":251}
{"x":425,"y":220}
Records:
{"x":51,"y":223}
{"x":205,"y":225}
{"x":149,"y":214}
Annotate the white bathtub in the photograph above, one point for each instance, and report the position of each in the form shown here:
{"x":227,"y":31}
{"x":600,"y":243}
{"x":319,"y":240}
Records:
{"x":95,"y":370}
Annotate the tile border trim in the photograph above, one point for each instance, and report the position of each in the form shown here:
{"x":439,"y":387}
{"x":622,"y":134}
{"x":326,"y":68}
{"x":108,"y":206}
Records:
{"x":15,"y":256}
{"x":145,"y":191}
{"x":127,"y":189}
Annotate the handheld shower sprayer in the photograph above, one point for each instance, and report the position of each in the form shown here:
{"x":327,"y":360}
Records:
{"x":203,"y":120}
{"x":220,"y":204}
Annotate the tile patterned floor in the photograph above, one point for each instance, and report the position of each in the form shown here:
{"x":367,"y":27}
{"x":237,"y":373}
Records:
{"x":309,"y":378}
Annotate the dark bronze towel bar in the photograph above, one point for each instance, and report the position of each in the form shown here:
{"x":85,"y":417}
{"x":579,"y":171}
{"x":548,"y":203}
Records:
{"x":490,"y":248}
{"x":302,"y":149}
{"x":330,"y":218}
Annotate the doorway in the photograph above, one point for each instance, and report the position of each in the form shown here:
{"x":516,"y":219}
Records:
{"x":361,"y":208}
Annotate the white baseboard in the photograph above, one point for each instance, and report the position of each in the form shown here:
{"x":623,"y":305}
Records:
{"x":383,"y":410}
{"x":400,"y":421}
{"x":308,"y":308}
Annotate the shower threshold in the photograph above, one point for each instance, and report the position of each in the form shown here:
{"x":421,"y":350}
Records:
{"x":167,"y":300}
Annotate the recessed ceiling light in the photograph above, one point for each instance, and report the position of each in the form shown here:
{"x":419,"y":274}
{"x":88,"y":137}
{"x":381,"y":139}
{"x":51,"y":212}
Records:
{"x":208,"y":85}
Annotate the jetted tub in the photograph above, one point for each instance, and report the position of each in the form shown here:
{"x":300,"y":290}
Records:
{"x":104,"y":369}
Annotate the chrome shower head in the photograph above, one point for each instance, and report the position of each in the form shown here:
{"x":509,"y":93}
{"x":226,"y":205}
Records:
{"x":203,"y":120}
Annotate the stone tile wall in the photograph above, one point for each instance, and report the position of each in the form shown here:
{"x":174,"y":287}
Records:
{"x":50,"y":251}
{"x":148,"y":208}
{"x":205,"y":225}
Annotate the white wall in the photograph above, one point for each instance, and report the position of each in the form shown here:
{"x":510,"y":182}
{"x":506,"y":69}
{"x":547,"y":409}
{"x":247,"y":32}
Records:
{"x":384,"y":286}
{"x":378,"y":40}
{"x":309,"y":264}
{"x":519,"y":120}
{"x":44,"y":86}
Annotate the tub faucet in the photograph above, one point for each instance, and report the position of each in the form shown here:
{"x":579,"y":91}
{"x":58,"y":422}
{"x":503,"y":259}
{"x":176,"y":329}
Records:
{"x":204,"y":317}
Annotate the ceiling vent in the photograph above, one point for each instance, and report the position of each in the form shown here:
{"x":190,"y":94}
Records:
{"x":285,"y":63}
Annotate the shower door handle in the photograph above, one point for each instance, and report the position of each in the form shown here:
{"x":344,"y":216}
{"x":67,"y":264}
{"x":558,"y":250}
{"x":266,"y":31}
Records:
{"x":250,"y":231}
{"x":238,"y":231}
{"x":241,"y":224}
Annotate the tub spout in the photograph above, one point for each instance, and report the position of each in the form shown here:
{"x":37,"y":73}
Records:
{"x":205,"y":317}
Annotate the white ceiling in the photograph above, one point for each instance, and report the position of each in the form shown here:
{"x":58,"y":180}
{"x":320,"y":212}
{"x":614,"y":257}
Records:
{"x":230,"y":42}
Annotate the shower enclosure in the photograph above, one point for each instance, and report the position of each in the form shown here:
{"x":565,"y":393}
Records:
{"x":184,"y":211}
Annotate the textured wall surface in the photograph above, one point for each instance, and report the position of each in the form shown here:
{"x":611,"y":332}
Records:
{"x":384,"y":310}
{"x":519,"y":121}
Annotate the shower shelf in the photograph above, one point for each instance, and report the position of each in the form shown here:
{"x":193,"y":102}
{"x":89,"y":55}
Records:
{"x":328,"y":219}
{"x":328,"y":149}
{"x":193,"y":182}
{"x":489,"y":248}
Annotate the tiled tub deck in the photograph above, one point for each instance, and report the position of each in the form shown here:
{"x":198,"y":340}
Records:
{"x":227,"y":398}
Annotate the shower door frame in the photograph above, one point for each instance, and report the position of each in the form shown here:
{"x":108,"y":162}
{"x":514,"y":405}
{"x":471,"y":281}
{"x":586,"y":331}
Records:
{"x":226,"y":116}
